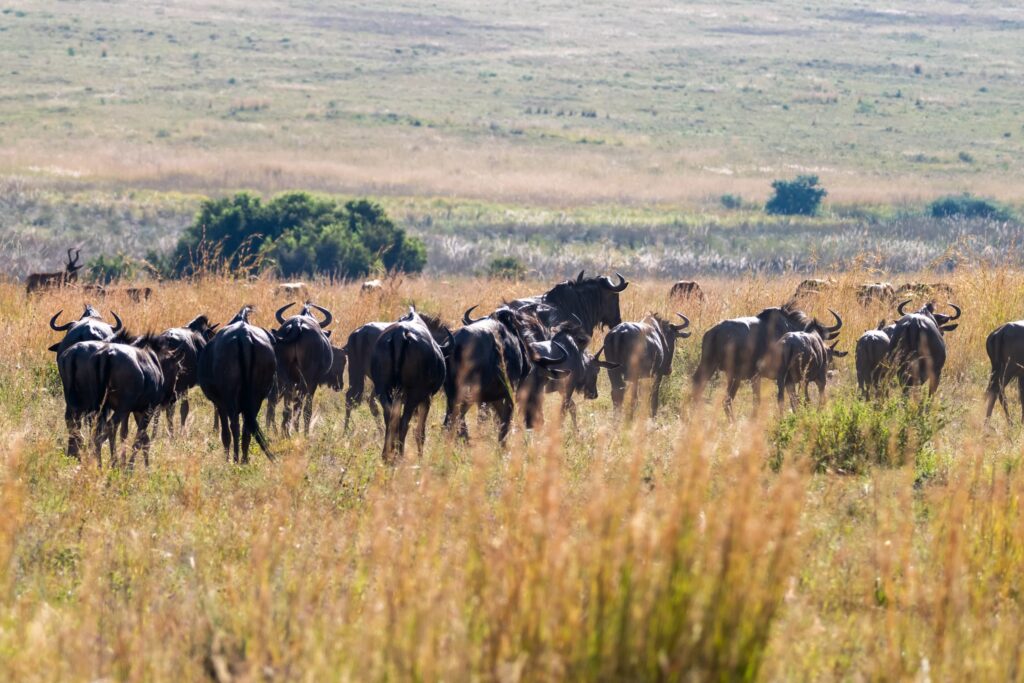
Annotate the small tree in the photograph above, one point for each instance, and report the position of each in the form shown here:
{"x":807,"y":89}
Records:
{"x":798,"y":197}
{"x":968,"y":206}
{"x":506,"y":268}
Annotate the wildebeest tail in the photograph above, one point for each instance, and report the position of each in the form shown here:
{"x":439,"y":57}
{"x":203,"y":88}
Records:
{"x":997,"y":356}
{"x":245,"y":399}
{"x":102,"y":384}
{"x":708,"y":364}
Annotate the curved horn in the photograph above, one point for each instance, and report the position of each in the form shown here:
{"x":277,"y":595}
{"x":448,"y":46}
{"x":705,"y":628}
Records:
{"x":579,"y":278}
{"x":899,"y":309}
{"x":607,"y":283}
{"x":117,"y":318}
{"x":467,"y":320}
{"x":686,"y":323}
{"x":839,"y":322}
{"x":59,"y":328}
{"x":280,"y":318}
{"x":71,"y":261}
{"x":558,"y":361}
{"x":958,"y":312}
{"x":328,"y":318}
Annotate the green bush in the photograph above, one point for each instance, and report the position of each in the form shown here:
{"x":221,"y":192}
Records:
{"x":850,"y":436}
{"x":798,"y":197}
{"x":298,"y":234}
{"x":506,"y":268}
{"x":968,"y":206}
{"x":731,"y":201}
{"x":106,"y":269}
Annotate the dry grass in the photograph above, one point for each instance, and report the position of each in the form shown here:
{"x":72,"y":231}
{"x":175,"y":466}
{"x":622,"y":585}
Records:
{"x":658,"y":550}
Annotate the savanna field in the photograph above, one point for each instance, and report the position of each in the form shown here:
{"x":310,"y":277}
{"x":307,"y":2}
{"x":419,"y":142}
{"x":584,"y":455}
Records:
{"x":874,"y":540}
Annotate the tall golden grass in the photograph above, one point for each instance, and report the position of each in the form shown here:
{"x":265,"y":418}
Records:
{"x":656,"y":550}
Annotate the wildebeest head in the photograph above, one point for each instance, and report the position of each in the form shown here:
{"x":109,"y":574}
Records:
{"x":202,"y":326}
{"x":306,"y":312}
{"x":439,"y":331}
{"x":593,"y":300}
{"x":788,"y":318}
{"x":243,"y":315}
{"x":942,"y":320}
{"x":592,"y":365}
{"x":89,"y":327}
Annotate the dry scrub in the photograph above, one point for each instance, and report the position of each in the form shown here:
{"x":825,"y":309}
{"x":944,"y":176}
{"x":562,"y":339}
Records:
{"x":659,"y":550}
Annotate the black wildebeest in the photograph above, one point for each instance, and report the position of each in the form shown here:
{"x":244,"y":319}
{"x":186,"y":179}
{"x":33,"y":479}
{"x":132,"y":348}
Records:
{"x":917,"y":349}
{"x":881,"y":292}
{"x":335,"y":377}
{"x":359,"y":350}
{"x":36,"y":282}
{"x":872,"y":358}
{"x":304,"y":359}
{"x":1005,"y":347}
{"x":593,"y":301}
{"x":500,"y":361}
{"x":188,"y":342}
{"x":746,"y":348}
{"x":407,"y":368}
{"x":90,"y":327}
{"x":687,"y":289}
{"x":236,"y":372}
{"x":804,"y":358}
{"x":642,"y":350}
{"x":112,"y":380}
{"x":582,"y":372}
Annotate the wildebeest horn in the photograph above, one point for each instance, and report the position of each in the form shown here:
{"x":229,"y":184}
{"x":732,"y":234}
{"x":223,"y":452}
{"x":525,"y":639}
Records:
{"x":467,"y":320}
{"x":839,"y":323}
{"x":328,"y":318}
{"x":119,"y":325}
{"x":958,"y":312}
{"x":607,"y":283}
{"x":280,"y":318}
{"x":59,"y":328}
{"x":685,"y":324}
{"x":579,"y":278}
{"x":899,"y":309}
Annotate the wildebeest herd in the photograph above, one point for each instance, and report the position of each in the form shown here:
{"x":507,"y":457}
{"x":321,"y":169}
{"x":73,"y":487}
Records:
{"x":505,"y":361}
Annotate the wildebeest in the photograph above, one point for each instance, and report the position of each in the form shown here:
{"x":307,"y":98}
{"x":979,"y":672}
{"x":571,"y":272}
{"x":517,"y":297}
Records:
{"x":923,"y":290}
{"x":581,"y":370}
{"x":304,"y":359}
{"x":871,"y":358}
{"x":687,"y":289}
{"x":359,"y":350}
{"x":642,"y":349}
{"x":293,"y":290}
{"x":371,"y":286}
{"x":746,"y":348}
{"x":112,"y":380}
{"x":813,"y":286}
{"x":804,"y":358}
{"x":881,"y":292}
{"x":188,"y":343}
{"x":500,"y":361}
{"x":39,"y":281}
{"x":90,"y":327}
{"x":1005,"y":347}
{"x":592,"y":301}
{"x":136,"y":294}
{"x":236,"y":372}
{"x":917,"y":349}
{"x":407,"y":368}
{"x":335,"y":377}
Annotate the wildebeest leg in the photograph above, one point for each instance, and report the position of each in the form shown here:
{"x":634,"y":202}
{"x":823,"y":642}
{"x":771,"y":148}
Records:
{"x":142,"y":421}
{"x":184,"y":411}
{"x":933,"y":383}
{"x":821,"y":392}
{"x":794,"y":402}
{"x":460,"y":417}
{"x":225,"y":434}
{"x":390,"y":424}
{"x":235,"y":434}
{"x":398,"y":449}
{"x":246,"y":443}
{"x":503,"y":410}
{"x":655,"y":395}
{"x":569,"y":406}
{"x":421,"y":426}
{"x":353,"y":395}
{"x":307,"y":409}
{"x":618,"y":382}
{"x":782,"y":391}
{"x":1020,"y":386}
{"x":755,"y":387}
{"x":73,"y":421}
{"x":732,"y":386}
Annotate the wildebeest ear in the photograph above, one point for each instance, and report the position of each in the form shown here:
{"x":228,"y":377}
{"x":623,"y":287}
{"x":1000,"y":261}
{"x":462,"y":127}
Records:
{"x":327,"y":333}
{"x":840,"y":354}
{"x":54,"y":347}
{"x":949,"y":328}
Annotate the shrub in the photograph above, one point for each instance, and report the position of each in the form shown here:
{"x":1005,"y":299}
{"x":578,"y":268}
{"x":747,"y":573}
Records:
{"x":850,"y":436}
{"x":506,"y":268}
{"x":798,"y":197}
{"x":107,"y":269}
{"x":731,"y":201}
{"x":299,"y":234}
{"x":968,"y":206}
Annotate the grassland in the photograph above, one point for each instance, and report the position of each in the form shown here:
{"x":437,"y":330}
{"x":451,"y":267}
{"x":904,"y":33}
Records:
{"x":526,"y":103}
{"x":661,"y":549}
